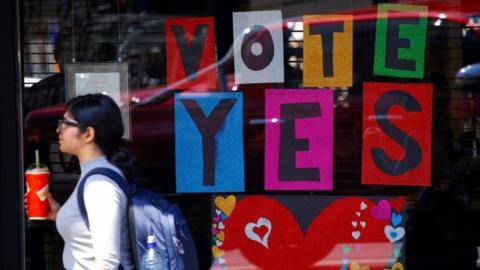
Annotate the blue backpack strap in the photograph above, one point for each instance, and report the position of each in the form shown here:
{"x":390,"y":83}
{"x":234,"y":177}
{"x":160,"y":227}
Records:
{"x":119,"y":180}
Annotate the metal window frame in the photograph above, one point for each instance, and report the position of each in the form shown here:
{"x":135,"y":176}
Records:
{"x":12,"y":221}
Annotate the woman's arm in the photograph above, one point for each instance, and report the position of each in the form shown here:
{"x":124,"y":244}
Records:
{"x":53,"y":207}
{"x":105,"y":204}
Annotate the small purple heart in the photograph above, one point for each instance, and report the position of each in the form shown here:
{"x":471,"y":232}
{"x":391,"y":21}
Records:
{"x":215,"y":231}
{"x":382,"y":210}
{"x":216,"y":219}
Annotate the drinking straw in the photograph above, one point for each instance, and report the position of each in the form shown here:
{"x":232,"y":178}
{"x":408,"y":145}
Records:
{"x":37,"y":158}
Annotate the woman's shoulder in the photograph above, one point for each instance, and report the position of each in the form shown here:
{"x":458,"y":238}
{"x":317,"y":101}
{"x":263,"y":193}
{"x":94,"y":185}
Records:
{"x":98,"y":163}
{"x":102,"y":186}
{"x":103,"y":180}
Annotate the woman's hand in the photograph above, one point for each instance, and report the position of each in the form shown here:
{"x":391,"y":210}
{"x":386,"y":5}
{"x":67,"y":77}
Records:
{"x":53,"y":206}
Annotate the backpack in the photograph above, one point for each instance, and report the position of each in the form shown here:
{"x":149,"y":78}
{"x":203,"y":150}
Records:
{"x":149,"y":212}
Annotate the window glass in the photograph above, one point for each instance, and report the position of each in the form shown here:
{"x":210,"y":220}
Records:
{"x":441,"y":221}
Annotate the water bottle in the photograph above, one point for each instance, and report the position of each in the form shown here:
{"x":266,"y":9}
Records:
{"x":153,"y":258}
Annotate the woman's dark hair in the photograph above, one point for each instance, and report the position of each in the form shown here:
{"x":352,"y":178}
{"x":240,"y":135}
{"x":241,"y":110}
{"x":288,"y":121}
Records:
{"x":100,"y":112}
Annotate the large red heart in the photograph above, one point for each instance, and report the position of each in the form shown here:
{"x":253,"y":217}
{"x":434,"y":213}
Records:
{"x":328,"y":243}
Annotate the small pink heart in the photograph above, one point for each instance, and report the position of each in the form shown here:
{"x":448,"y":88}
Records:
{"x":215,"y":231}
{"x":382,"y":210}
{"x":216,"y":219}
{"x":216,"y":266}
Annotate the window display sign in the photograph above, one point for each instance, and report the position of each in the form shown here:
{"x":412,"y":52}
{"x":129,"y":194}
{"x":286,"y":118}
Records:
{"x":306,"y":232}
{"x":397,"y":123}
{"x":400,"y":40}
{"x":327,"y":51}
{"x":107,"y":78}
{"x":258,"y":47}
{"x":298,"y":139}
{"x":191,"y":53}
{"x":209,"y":142}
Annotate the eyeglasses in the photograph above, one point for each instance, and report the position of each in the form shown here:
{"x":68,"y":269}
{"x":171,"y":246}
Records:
{"x":61,"y":123}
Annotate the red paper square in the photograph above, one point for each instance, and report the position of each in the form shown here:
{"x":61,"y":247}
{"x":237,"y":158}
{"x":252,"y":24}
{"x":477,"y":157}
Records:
{"x":200,"y":58}
{"x":409,"y":116}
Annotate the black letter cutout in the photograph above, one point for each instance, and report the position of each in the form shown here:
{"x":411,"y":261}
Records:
{"x":394,"y":42}
{"x":289,"y":144}
{"x":326,"y":30}
{"x":191,"y":54}
{"x":261,"y":35}
{"x":208,"y":127}
{"x":413,"y":152}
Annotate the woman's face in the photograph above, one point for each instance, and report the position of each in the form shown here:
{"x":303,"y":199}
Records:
{"x":69,"y":135}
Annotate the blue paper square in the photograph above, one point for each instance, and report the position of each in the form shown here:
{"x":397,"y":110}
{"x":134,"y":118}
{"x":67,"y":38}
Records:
{"x":229,"y":160}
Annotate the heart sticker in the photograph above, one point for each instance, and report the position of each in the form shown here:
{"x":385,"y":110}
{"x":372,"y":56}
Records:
{"x":253,"y":234}
{"x":397,"y":203}
{"x":382,"y":210}
{"x":363,"y":224}
{"x":356,"y":235}
{"x":226,"y":204}
{"x":216,"y":266}
{"x":356,"y":266}
{"x":396,"y":252}
{"x":363,"y":206}
{"x":221,"y":236}
{"x":396,"y":219}
{"x":394,"y":234}
{"x":217,"y":252}
{"x":354,"y":224}
{"x":397,"y":266}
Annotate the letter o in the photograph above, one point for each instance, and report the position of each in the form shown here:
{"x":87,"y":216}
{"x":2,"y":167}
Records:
{"x":261,"y":35}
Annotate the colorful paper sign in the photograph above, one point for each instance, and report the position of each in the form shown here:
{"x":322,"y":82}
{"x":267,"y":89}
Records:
{"x":191,"y":53}
{"x":397,"y":125}
{"x":307,"y":232}
{"x":327,"y":51}
{"x":209,"y":142}
{"x":258,"y":47}
{"x":298,"y":139}
{"x":400,"y":41}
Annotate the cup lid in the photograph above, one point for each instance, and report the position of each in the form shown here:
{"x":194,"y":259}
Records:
{"x":40,"y":168}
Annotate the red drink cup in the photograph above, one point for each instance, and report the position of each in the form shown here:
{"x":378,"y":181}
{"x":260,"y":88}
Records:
{"x":37,"y":179}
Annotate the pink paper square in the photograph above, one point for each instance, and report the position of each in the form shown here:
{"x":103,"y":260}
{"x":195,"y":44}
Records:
{"x":318,"y":130}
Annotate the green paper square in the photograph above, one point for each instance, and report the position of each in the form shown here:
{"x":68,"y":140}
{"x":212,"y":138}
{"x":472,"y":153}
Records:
{"x":415,"y":33}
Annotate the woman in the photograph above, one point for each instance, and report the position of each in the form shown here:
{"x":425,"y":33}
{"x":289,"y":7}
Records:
{"x":91,"y":130}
